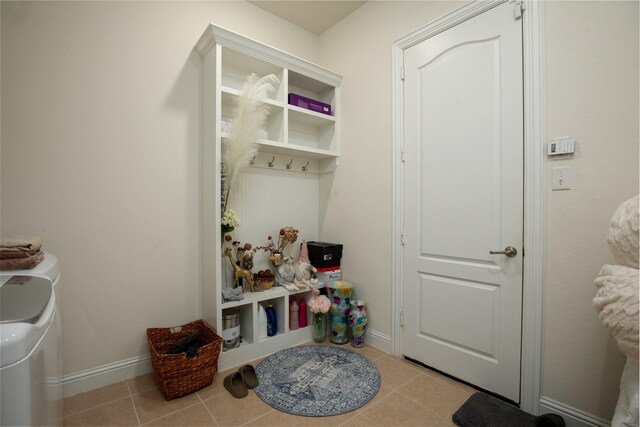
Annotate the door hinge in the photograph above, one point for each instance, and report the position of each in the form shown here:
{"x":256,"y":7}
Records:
{"x":401,"y":317}
{"x":402,"y":155}
{"x":402,"y":73}
{"x":518,"y":8}
{"x":402,"y":238}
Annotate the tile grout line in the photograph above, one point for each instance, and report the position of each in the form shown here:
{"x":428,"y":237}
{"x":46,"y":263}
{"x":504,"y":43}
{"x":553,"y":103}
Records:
{"x":96,"y":406}
{"x":361,"y":411}
{"x":207,"y":409}
{"x":397,"y":389}
{"x":459,"y":402}
{"x":260,"y":416}
{"x":171,"y":413}
{"x":135,"y":410}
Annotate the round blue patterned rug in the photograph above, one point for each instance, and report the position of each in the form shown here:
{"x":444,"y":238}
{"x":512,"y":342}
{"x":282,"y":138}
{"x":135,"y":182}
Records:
{"x":317,"y":380}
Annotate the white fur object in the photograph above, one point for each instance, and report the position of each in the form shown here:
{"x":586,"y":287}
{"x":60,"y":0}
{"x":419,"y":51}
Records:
{"x":248,"y":119}
{"x":617,"y":305}
{"x":285,"y":273}
{"x":623,"y":233}
{"x":626,"y":414}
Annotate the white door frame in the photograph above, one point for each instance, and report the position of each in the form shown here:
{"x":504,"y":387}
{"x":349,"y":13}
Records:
{"x":533,"y":183}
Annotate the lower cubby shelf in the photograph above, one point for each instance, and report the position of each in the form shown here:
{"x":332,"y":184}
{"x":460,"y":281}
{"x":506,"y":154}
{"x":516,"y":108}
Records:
{"x":252,"y":351}
{"x":253,"y":347}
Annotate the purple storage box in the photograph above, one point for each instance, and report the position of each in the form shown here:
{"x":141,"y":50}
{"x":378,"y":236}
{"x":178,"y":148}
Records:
{"x":309,"y":104}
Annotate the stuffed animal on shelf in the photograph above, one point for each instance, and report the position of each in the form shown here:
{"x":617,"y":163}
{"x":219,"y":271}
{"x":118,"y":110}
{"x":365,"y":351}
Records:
{"x":285,"y":273}
{"x":303,"y":267}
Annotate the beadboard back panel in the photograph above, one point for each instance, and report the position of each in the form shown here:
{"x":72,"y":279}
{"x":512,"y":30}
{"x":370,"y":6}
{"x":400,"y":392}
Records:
{"x":267,"y":200}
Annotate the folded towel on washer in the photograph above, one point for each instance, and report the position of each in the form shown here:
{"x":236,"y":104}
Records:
{"x":22,"y":263}
{"x":16,"y":254}
{"x":20,"y":243}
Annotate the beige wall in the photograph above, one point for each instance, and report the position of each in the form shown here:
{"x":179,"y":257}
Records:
{"x":100,"y":141}
{"x":100,"y":156}
{"x":591,"y":76}
{"x":591,"y":79}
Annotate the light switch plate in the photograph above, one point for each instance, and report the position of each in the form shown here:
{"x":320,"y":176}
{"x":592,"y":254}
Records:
{"x":561,"y":178}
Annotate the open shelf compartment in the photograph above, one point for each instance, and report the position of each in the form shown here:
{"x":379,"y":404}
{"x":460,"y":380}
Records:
{"x":237,"y":67}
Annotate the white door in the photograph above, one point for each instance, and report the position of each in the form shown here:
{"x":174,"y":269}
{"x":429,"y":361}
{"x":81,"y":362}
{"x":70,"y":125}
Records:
{"x":463,"y":197}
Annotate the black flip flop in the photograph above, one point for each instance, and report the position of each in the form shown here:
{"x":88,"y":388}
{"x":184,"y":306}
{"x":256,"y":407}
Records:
{"x":234,"y":384}
{"x":249,"y":376}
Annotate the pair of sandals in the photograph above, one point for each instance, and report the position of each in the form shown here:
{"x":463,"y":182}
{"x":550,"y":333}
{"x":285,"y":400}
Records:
{"x":239,"y":383}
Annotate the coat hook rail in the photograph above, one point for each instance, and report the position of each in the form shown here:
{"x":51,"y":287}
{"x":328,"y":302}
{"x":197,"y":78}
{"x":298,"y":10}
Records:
{"x":285,"y":162}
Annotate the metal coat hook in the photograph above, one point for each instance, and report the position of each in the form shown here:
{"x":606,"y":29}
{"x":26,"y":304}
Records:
{"x":253,"y":161}
{"x":289,"y":164}
{"x":304,"y":168}
{"x":272,"y":162}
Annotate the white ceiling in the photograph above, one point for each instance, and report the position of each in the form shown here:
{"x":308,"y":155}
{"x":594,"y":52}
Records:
{"x":313,"y":16}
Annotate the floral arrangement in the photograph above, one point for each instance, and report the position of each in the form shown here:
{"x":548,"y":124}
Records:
{"x":228,"y":222}
{"x":287,"y":235}
{"x":318,"y":304}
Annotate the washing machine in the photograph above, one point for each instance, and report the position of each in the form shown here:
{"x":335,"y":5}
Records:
{"x":30,"y":346}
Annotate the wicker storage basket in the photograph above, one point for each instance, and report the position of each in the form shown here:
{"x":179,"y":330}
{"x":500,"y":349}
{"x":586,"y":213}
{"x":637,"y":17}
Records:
{"x":176,"y":374}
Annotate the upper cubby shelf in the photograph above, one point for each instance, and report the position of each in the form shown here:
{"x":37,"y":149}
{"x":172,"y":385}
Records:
{"x":289,"y":129}
{"x":255,"y":50}
{"x":236,"y":67}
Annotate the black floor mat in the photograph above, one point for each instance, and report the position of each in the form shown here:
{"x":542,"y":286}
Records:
{"x":482,"y":410}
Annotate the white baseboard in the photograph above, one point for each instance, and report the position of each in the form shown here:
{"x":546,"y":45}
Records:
{"x":572,"y":417}
{"x":111,"y":373}
{"x":378,"y":340}
{"x":104,"y":375}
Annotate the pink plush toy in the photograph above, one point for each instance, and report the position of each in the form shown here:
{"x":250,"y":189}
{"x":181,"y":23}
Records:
{"x":303,"y":267}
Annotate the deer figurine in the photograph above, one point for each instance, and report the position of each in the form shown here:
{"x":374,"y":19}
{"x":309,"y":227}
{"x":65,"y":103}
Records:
{"x":239,"y":273}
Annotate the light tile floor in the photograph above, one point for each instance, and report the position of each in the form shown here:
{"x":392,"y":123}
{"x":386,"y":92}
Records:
{"x":410,"y":395}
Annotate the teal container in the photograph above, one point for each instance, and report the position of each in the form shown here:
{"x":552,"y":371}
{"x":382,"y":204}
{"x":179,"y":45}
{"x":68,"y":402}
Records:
{"x":340,"y":292}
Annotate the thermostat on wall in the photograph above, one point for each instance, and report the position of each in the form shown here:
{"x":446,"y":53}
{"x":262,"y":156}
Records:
{"x":561,"y":145}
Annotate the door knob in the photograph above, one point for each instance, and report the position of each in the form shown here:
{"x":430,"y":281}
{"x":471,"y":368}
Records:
{"x":509,"y":251}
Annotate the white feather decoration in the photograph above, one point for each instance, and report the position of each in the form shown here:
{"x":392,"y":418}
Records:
{"x":248,"y":119}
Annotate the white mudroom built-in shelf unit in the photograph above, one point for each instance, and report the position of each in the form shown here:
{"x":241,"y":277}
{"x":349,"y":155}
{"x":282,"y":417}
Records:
{"x":281,"y":186}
